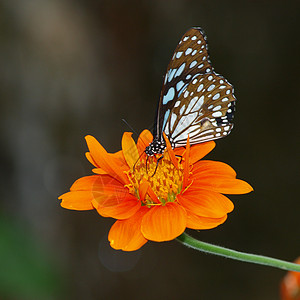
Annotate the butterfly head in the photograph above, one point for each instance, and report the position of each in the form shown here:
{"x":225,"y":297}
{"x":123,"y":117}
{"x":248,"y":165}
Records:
{"x":156,"y":147}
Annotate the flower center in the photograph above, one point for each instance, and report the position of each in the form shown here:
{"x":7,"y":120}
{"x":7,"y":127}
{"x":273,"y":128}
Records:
{"x":163,"y":178}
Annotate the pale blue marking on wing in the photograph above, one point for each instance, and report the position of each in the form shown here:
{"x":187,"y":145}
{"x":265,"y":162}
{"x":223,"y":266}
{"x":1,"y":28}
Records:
{"x":179,"y":85}
{"x":166,"y":118}
{"x":171,"y":75}
{"x":180,"y":70}
{"x":182,"y":89}
{"x":169,"y":96}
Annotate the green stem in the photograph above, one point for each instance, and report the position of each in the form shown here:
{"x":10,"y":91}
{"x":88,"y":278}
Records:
{"x":189,"y":241}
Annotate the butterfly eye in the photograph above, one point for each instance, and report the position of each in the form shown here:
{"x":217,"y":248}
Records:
{"x":195,"y":101}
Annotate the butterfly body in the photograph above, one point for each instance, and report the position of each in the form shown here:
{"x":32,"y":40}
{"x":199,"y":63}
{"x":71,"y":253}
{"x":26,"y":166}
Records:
{"x":195,"y":101}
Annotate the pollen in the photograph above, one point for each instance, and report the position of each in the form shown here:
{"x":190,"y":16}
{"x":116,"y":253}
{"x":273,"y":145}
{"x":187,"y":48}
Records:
{"x":163,"y":177}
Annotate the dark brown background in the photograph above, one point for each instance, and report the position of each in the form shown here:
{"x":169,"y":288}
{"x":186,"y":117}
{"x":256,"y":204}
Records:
{"x":71,"y":68}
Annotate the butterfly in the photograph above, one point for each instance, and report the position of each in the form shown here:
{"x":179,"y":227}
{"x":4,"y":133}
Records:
{"x":195,"y":101}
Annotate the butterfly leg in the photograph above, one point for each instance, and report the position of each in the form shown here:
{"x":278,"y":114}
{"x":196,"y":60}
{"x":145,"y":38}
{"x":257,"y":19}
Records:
{"x":138,"y":160}
{"x":158,"y":160}
{"x":179,"y":156}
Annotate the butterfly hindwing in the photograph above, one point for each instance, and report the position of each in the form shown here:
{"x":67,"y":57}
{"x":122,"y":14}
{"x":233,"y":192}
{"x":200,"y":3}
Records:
{"x":204,"y":111}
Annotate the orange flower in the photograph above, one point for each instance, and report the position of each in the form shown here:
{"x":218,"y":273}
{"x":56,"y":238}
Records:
{"x":290,"y":285}
{"x":154,"y":200}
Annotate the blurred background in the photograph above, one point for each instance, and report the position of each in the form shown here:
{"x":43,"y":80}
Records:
{"x":72,"y":68}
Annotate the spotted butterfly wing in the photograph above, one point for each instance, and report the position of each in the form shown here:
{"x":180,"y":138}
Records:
{"x":195,"y":101}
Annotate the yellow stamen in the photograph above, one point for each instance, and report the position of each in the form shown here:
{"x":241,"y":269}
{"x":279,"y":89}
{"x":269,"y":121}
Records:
{"x":163,"y":177}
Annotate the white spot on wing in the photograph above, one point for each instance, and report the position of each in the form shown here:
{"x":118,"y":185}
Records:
{"x":206,"y":132}
{"x":216,"y":96}
{"x":188,"y":51}
{"x":173,"y":119}
{"x":193,"y":64}
{"x":182,"y":109}
{"x":187,"y":121}
{"x":211,"y":87}
{"x":178,"y":54}
{"x":198,"y":104}
{"x":186,"y":93}
{"x":200,"y":87}
{"x":217,"y":114}
{"x":217,"y":108}
{"x":191,"y":104}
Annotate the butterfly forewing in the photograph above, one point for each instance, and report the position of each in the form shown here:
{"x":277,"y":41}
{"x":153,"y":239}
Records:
{"x":190,"y":58}
{"x":192,"y":50}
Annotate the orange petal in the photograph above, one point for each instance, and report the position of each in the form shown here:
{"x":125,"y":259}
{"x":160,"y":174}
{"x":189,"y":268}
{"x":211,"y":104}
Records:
{"x":112,"y":199}
{"x":130,"y":150}
{"x":222,"y":184}
{"x":186,"y":170}
{"x":78,"y":200}
{"x":198,"y":222}
{"x":164,"y":223}
{"x":108,"y":163}
{"x":118,"y":157}
{"x":290,"y":285}
{"x":85,"y":183}
{"x":90,"y":159}
{"x":171,"y":152}
{"x":126,"y":234}
{"x":205,"y":203}
{"x":145,"y":188}
{"x":144,"y":140}
{"x":179,"y":151}
{"x":124,"y":210}
{"x":204,"y":168}
{"x":198,"y":151}
{"x":99,"y":171}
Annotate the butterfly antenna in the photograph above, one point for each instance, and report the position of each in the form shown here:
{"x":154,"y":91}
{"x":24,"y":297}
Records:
{"x":130,"y":127}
